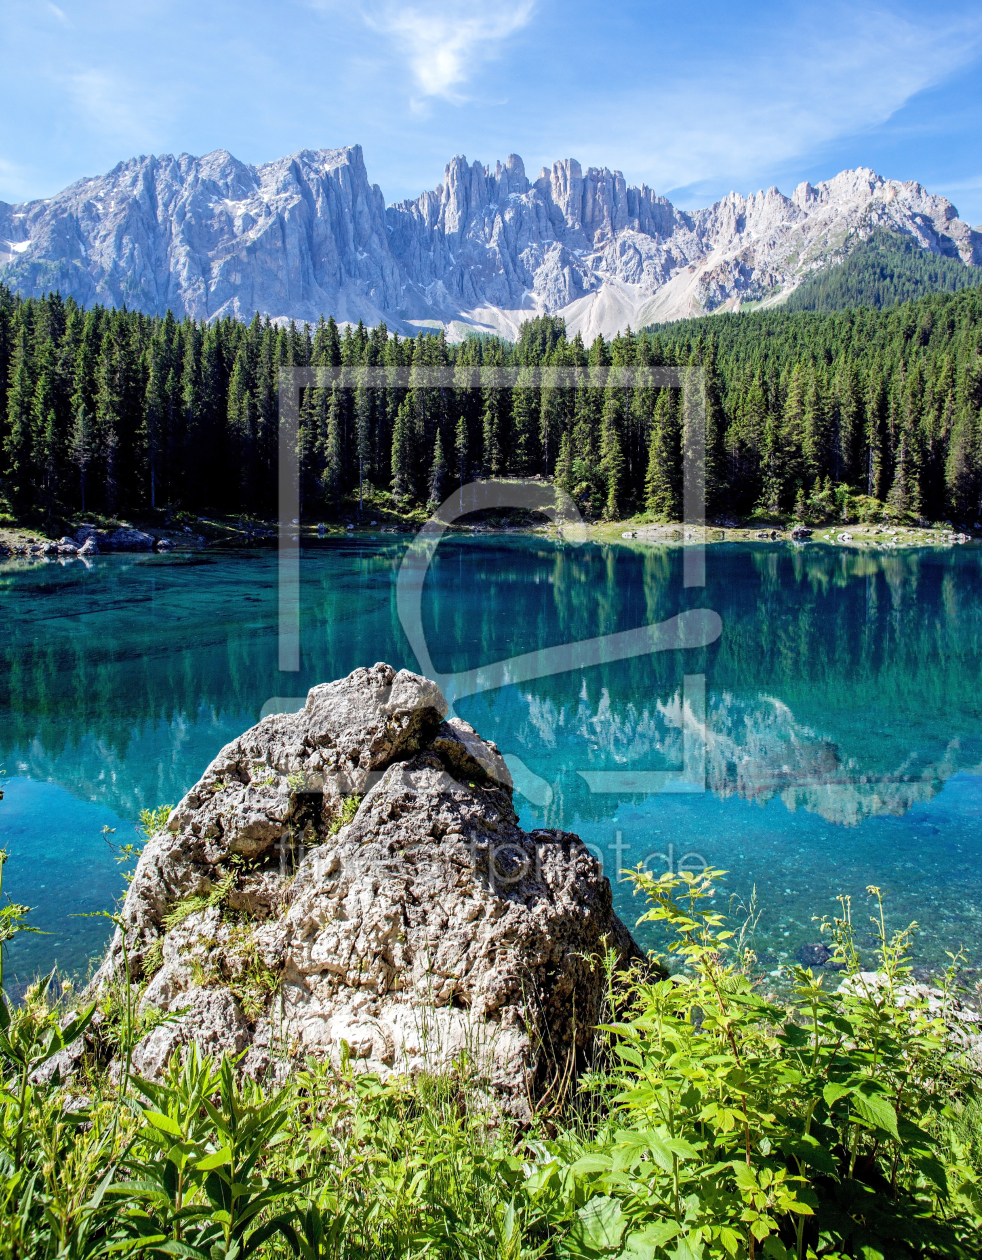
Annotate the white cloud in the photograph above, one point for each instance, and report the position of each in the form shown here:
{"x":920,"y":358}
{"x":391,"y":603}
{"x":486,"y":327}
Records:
{"x":116,"y":106}
{"x":17,"y":181}
{"x":805,"y":87}
{"x":442,"y":47}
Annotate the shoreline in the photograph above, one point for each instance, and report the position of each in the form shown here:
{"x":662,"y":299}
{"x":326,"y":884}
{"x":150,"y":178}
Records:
{"x":20,"y":543}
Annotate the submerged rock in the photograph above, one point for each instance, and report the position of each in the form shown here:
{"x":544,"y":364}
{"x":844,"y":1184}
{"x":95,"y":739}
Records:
{"x":814,"y":954}
{"x":350,"y":881}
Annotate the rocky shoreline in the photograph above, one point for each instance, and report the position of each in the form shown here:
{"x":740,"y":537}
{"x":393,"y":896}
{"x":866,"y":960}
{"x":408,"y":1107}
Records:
{"x":88,"y":540}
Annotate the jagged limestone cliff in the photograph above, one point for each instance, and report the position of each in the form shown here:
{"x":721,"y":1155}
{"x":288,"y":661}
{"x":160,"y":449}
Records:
{"x":309,"y":234}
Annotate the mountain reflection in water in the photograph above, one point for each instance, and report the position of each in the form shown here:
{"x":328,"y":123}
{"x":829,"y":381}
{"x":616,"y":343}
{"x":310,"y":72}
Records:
{"x":841,"y":697}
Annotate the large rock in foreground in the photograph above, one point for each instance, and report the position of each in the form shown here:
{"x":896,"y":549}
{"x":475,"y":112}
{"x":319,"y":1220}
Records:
{"x":275,"y":917}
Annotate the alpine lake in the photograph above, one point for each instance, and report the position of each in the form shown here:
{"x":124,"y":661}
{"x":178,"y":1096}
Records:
{"x":829,"y":739}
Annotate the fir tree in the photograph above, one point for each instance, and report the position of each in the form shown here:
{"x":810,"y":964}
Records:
{"x":524,"y":456}
{"x":80,"y":447}
{"x":18,"y":444}
{"x":402,"y":455}
{"x":461,"y":450}
{"x":612,"y":454}
{"x":663,"y":477}
{"x":564,"y":478}
{"x":438,"y":473}
{"x":332,"y":477}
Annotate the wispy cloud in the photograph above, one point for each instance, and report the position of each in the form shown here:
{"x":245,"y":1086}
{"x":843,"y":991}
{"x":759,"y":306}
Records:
{"x":442,"y":48}
{"x":805,"y":87}
{"x":17,"y":180}
{"x":118,"y":106}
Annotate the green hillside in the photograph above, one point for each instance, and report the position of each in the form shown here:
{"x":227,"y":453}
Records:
{"x":880,"y":271}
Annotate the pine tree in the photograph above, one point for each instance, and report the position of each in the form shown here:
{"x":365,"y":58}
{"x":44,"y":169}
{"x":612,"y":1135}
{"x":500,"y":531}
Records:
{"x":612,"y":454}
{"x":818,"y":439}
{"x":564,"y":478}
{"x":962,"y":471}
{"x":45,"y":438}
{"x":877,"y":446}
{"x":904,"y":496}
{"x":438,"y":473}
{"x":241,"y":430}
{"x":154,"y":416}
{"x":80,"y":447}
{"x":363,"y":426}
{"x":492,"y":420}
{"x":402,"y":455}
{"x":524,"y":456}
{"x":462,"y":450}
{"x":332,"y":457}
{"x":663,"y":478}
{"x":18,"y":443}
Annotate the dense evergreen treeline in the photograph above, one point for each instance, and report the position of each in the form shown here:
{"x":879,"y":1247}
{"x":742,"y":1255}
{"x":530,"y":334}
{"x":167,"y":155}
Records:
{"x":879,"y":271}
{"x":114,"y":411}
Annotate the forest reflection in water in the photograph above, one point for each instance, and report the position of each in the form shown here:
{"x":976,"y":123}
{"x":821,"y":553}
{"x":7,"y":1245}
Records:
{"x":841,"y":696}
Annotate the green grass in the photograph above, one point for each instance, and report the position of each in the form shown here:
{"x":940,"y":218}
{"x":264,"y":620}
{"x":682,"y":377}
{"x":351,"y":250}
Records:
{"x":718,"y":1121}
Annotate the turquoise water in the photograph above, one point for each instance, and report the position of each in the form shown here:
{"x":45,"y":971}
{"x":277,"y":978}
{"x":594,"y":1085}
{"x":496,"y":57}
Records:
{"x":843,"y":712}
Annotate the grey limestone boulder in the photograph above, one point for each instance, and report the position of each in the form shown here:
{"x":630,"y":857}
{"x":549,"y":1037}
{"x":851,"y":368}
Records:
{"x":351,"y":881}
{"x":128,"y":540}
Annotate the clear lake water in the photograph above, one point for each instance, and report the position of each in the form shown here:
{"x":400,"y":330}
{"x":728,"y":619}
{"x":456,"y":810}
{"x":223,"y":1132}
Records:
{"x":839,"y":741}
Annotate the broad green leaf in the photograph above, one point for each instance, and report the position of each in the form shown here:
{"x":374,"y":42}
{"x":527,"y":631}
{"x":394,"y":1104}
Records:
{"x":215,"y":1160}
{"x":811,"y":1152}
{"x":876,"y":1111}
{"x":641,"y":1244}
{"x":834,"y":1091}
{"x":745,"y":1177}
{"x":592,"y":1163}
{"x":141,"y":1240}
{"x":173,"y":1248}
{"x":689,"y":1248}
{"x":165,"y":1123}
{"x":598,"y":1229}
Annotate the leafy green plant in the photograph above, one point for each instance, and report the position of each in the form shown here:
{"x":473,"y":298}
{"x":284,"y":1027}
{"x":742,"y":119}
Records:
{"x":196,"y":1188}
{"x":716,"y":1123}
{"x":154,"y":820}
{"x":184,"y":908}
{"x":739,"y":1126}
{"x":349,"y":807}
{"x":153,"y":958}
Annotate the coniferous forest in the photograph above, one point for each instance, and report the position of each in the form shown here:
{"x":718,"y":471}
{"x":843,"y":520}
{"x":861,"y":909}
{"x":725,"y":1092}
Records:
{"x":880,"y":270}
{"x":809,"y":413}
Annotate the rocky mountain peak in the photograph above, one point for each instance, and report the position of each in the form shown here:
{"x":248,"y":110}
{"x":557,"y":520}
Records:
{"x":309,"y":234}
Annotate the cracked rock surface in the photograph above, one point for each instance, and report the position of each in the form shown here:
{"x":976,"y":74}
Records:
{"x":350,"y":881}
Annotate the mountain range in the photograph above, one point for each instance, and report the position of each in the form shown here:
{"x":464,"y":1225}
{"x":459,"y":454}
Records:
{"x":309,"y":234}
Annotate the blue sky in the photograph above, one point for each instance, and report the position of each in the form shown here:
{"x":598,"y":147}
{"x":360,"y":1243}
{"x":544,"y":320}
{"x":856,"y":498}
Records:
{"x":694,"y":100}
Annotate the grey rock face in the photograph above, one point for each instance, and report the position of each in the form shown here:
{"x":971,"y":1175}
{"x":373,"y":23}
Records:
{"x":115,"y":540}
{"x":488,"y":248}
{"x":428,"y":925}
